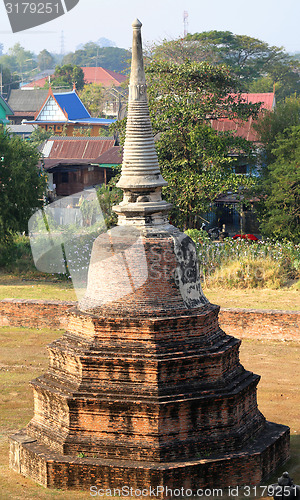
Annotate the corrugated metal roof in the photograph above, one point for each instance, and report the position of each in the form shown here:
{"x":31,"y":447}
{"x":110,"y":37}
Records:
{"x":112,"y":156}
{"x":79,"y":149}
{"x":243,"y":128}
{"x":266,"y":98}
{"x":238,"y":127}
{"x":27,"y":100}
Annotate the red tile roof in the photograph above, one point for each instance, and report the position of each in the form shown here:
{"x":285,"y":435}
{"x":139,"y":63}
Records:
{"x":105,"y":77}
{"x":243,"y":128}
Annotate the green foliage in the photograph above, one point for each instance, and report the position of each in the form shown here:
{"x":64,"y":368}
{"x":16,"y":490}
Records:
{"x":109,"y":196}
{"x":9,"y":80}
{"x":40,"y":135}
{"x":45,"y":60}
{"x":273,"y":123}
{"x":112,"y":58}
{"x":242,"y":264}
{"x":19,"y":60}
{"x":248,"y":58}
{"x":281,"y":211}
{"x":195,"y":160}
{"x":65,"y":76}
{"x":198,"y":235}
{"x":92,"y":96}
{"x":22,"y":184}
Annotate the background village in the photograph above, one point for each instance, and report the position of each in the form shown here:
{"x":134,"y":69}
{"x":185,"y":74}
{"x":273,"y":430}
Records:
{"x":225,"y":114}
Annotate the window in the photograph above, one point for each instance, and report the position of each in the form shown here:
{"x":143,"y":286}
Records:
{"x":64,"y":177}
{"x":241,"y":169}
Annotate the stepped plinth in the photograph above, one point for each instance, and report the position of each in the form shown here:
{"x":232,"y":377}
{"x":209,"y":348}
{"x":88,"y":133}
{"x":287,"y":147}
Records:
{"x":145,"y":390}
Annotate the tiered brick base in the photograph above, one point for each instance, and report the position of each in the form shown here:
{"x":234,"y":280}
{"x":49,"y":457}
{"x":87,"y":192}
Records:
{"x":147,"y":402}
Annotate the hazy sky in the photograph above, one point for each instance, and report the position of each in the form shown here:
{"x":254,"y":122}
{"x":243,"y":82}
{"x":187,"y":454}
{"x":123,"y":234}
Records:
{"x":273,"y":21}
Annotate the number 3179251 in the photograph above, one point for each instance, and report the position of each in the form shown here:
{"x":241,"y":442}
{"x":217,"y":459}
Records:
{"x":32,"y":8}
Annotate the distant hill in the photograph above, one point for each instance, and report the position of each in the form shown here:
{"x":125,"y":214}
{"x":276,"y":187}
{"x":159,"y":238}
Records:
{"x":102,"y":42}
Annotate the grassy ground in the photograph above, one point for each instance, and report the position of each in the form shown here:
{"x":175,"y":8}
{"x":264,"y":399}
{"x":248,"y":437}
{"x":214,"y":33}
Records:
{"x":12,"y":286}
{"x":23,"y":357}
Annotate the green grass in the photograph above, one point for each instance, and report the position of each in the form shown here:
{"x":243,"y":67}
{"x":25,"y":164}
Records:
{"x":23,"y":357}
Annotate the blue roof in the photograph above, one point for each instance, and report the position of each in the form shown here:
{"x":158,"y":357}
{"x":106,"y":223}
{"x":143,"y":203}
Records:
{"x":70,"y":102}
{"x":105,"y":121}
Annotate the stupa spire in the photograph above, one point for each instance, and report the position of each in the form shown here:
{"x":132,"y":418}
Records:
{"x":141,"y":179}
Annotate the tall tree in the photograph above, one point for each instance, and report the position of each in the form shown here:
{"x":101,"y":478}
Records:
{"x":281,"y":211}
{"x":92,"y":96}
{"x":65,"y":76}
{"x":22,"y":184}
{"x":249,"y":58}
{"x":112,"y":58}
{"x":45,"y":60}
{"x":273,"y":123}
{"x":9,"y":80}
{"x":195,"y":160}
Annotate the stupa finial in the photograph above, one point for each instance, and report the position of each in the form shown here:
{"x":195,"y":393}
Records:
{"x":141,"y":179}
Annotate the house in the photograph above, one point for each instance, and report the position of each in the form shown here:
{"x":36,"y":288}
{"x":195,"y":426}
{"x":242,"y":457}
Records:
{"x":71,"y":163}
{"x":111,"y":158}
{"x":65,"y":114}
{"x":23,"y":131}
{"x":102,"y":76}
{"x":5,"y":112}
{"x":243,"y":128}
{"x":25,"y":104}
{"x":230,"y":209}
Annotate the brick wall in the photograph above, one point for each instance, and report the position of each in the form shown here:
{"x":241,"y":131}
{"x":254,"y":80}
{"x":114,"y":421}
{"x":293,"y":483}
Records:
{"x":241,"y":323}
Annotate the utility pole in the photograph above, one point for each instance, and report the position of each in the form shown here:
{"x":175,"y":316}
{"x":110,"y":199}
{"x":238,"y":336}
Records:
{"x":1,"y":81}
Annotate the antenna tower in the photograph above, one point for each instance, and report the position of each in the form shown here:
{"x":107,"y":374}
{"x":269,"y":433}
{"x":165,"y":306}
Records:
{"x":185,"y":22}
{"x":62,"y":43}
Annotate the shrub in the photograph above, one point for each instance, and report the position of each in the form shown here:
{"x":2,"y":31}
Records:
{"x":243,"y":264}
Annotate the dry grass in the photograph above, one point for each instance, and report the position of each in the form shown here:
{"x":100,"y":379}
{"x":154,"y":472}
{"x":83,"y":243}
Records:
{"x":285,"y":299}
{"x":23,"y":357}
{"x":14,"y":287}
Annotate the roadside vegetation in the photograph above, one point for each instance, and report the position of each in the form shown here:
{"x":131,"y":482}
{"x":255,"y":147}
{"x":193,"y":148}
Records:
{"x":245,"y":264}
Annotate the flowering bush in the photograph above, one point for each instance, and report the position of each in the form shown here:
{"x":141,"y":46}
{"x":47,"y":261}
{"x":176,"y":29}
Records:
{"x":240,"y":263}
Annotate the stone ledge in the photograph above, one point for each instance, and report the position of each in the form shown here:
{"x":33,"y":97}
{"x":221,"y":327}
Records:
{"x":241,"y":323}
{"x":249,"y":466}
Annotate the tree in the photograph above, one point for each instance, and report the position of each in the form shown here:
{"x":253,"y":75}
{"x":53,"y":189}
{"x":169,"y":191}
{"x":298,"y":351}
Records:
{"x":92,"y":96}
{"x":39,"y":136}
{"x":9,"y":81}
{"x":281,"y":215}
{"x":249,"y":58}
{"x":65,"y":76}
{"x":22,"y":184}
{"x":273,"y":123}
{"x":45,"y":60}
{"x":112,"y":58}
{"x":196,"y":161}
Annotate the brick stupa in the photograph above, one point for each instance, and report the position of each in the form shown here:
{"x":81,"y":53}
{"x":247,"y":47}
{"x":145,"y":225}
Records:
{"x":145,"y":389}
